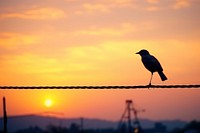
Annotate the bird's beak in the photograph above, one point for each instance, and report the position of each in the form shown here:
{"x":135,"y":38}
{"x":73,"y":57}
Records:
{"x":137,"y":53}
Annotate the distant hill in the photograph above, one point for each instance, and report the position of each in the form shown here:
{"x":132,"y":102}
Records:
{"x":20,"y":122}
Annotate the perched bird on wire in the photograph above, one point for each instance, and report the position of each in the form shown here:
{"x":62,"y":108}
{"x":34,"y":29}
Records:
{"x":151,"y":64}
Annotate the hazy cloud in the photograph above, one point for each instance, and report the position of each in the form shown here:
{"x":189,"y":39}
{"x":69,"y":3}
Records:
{"x":123,"y":29}
{"x":39,"y":13}
{"x":181,"y":4}
{"x":92,"y":8}
{"x":13,"y":40}
{"x":29,"y":63}
{"x":153,"y":1}
{"x":153,"y":8}
{"x":103,"y":6}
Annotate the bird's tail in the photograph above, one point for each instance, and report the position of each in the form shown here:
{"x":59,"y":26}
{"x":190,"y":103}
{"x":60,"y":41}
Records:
{"x":162,"y":76}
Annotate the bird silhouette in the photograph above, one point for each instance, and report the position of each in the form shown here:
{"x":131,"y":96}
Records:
{"x":151,"y":64}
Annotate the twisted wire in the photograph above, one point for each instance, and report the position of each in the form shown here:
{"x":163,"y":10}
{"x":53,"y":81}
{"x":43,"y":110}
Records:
{"x":102,"y":87}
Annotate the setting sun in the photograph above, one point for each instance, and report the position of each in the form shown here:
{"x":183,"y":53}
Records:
{"x":48,"y":103}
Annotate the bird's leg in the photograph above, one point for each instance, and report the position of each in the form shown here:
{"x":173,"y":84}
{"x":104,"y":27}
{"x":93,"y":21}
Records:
{"x":150,"y":80}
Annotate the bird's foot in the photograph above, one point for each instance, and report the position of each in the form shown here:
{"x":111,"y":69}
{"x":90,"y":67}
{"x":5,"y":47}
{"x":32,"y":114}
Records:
{"x":149,"y":85}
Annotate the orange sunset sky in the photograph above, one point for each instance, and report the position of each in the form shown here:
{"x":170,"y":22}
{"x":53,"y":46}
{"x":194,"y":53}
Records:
{"x":93,"y":42}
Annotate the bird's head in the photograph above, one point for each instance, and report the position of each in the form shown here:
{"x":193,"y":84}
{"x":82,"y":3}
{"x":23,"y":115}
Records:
{"x":143,"y":52}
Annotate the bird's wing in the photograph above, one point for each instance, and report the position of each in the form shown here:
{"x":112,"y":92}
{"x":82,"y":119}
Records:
{"x":151,"y":63}
{"x":157,"y":64}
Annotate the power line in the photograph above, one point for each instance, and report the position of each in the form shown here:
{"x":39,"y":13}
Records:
{"x":101,"y":87}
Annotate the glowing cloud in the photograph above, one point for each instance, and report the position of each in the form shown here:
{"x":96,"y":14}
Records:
{"x":40,"y":13}
{"x":179,"y":4}
{"x":103,"y":6}
{"x":152,"y":8}
{"x":95,"y":7}
{"x":13,"y":40}
{"x":153,"y":1}
{"x":107,"y":31}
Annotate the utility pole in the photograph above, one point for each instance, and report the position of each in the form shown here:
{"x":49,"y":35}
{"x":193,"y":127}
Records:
{"x":4,"y":116}
{"x":82,"y":124}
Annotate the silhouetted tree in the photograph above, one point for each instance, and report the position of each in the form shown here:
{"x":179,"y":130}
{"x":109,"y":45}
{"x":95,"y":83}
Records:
{"x":123,"y":128}
{"x":56,"y":129}
{"x":74,"y":128}
{"x":31,"y":130}
{"x":193,"y":125}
